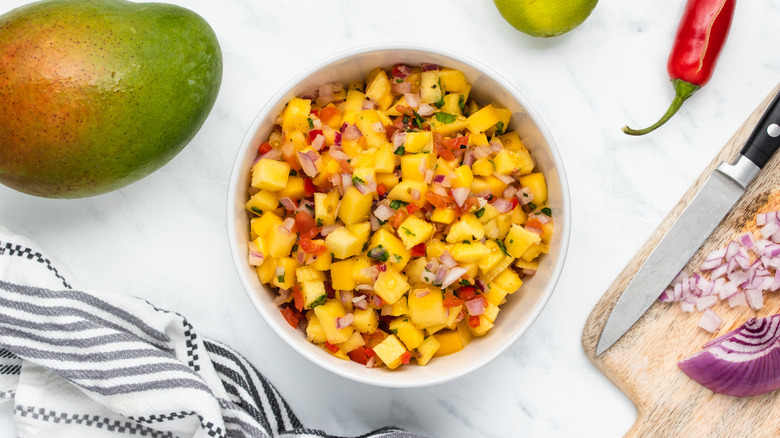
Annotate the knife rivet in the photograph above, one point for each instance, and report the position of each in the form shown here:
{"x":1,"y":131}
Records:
{"x":773,"y":130}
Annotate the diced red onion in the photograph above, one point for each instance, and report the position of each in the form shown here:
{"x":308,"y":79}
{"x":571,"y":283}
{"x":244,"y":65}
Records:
{"x":502,"y":205}
{"x":441,"y":271}
{"x":475,"y":307}
{"x":327,"y":229}
{"x":255,"y":255}
{"x":399,"y":138}
{"x":509,"y":192}
{"x":307,"y":165}
{"x":741,"y":363}
{"x":460,"y":194}
{"x":415,"y":194}
{"x":345,"y":321}
{"x":754,"y":298}
{"x":446,"y":260}
{"x":273,"y":154}
{"x":288,"y":204}
{"x":368,"y":104}
{"x":360,"y":302}
{"x":710,"y":321}
{"x":524,"y":195}
{"x":420,"y":293}
{"x":402,"y":87}
{"x":686,"y":307}
{"x":318,"y":142}
{"x":704,"y":303}
{"x":283,"y":296}
{"x":495,"y":145}
{"x":468,"y":157}
{"x":452,"y":276}
{"x":426,"y":110}
{"x":737,"y":300}
{"x":401,"y":71}
{"x":338,"y":154}
{"x":429,"y":67}
{"x":412,"y":100}
{"x":383,"y":212}
{"x":770,"y":229}
{"x":350,"y":131}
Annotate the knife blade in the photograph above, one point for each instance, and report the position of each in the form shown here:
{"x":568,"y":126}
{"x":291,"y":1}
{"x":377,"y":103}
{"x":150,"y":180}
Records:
{"x":713,"y":201}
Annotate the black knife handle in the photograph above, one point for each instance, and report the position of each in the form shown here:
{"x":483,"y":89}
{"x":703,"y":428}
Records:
{"x":765,"y":139}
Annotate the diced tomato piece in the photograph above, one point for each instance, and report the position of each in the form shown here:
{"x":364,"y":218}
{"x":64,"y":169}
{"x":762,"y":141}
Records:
{"x":419,"y":250}
{"x":467,"y":293}
{"x":291,"y":316}
{"x":297,"y":298}
{"x":310,"y":247}
{"x":359,"y":355}
{"x":381,"y":189}
{"x":345,"y":167}
{"x":308,"y":187}
{"x":450,"y":300}
{"x":313,"y":134}
{"x":411,"y":208}
{"x":406,"y":357}
{"x":398,"y":218}
{"x":305,"y":221}
{"x":456,"y":143}
{"x":474,"y":321}
{"x":310,"y":233}
{"x":328,"y":112}
{"x":264,"y":148}
{"x":443,"y":151}
{"x":331,"y":347}
{"x":533,"y":223}
{"x":436,"y":199}
{"x":469,"y":203}
{"x":370,"y":352}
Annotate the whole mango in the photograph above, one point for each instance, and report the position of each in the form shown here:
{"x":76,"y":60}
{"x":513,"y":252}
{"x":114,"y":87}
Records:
{"x":96,"y":94}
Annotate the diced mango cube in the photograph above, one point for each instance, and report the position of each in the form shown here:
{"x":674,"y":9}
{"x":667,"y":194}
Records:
{"x":284,"y":273}
{"x":397,"y":256}
{"x":313,"y":293}
{"x":519,"y":239}
{"x":483,"y":167}
{"x":463,"y":177}
{"x":391,"y":351}
{"x":308,"y":273}
{"x":391,"y":285}
{"x":414,"y":231}
{"x":384,"y":159}
{"x":467,"y":228}
{"x":328,"y":313}
{"x":483,"y":119}
{"x":426,"y":350}
{"x":262,"y":201}
{"x":443,"y":215}
{"x":314,"y":331}
{"x":280,"y":241}
{"x":448,"y":124}
{"x":496,"y":294}
{"x":355,"y":206}
{"x":342,"y":244}
{"x":341,"y":275}
{"x":430,"y":87}
{"x":413,"y":167}
{"x":325,"y":206}
{"x":365,"y":321}
{"x":509,"y":280}
{"x":536,"y":185}
{"x":418,"y":141}
{"x":452,"y":80}
{"x":379,"y":90}
{"x":407,"y":332}
{"x":412,"y":192}
{"x":295,"y":115}
{"x":270,"y":174}
{"x":469,"y":252}
{"x":355,"y":341}
{"x":426,"y":309}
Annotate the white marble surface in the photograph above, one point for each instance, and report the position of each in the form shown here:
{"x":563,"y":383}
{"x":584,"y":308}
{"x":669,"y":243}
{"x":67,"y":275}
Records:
{"x":164,"y":238}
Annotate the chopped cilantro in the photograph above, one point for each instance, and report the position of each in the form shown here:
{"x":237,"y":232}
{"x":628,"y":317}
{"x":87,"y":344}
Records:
{"x":439,"y":103}
{"x":319,"y":301}
{"x":396,"y":204}
{"x":399,"y":81}
{"x":257,"y":210}
{"x":293,"y":172}
{"x":397,"y":258}
{"x":499,"y":128}
{"x":357,"y":180}
{"x":311,"y":122}
{"x":445,"y":118}
{"x":464,"y":283}
{"x":502,"y":247}
{"x":294,"y":248}
{"x":418,"y":120}
{"x":466,"y":242}
{"x":280,"y":278}
{"x":532,"y":206}
{"x":479,"y":212}
{"x":400,"y":150}
{"x":319,"y":222}
{"x":408,"y":232}
{"x":547,"y":211}
{"x":462,"y":103}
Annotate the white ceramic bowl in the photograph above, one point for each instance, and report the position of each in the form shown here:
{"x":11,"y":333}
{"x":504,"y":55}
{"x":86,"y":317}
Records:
{"x":521,"y":309}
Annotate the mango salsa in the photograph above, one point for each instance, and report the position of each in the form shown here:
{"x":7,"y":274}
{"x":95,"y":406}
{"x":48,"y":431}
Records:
{"x":394,"y":216}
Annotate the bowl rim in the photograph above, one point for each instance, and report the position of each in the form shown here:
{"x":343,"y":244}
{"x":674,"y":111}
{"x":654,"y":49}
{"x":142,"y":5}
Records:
{"x":283,"y":332}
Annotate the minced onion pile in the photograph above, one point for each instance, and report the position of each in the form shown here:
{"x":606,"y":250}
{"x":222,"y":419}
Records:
{"x":738,"y":273}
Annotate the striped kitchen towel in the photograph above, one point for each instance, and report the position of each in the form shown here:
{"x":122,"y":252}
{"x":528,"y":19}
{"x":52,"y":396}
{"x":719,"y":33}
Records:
{"x":83,"y":363}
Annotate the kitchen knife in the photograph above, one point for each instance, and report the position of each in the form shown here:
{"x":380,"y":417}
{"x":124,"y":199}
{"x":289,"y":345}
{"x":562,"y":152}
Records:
{"x":714,"y":200}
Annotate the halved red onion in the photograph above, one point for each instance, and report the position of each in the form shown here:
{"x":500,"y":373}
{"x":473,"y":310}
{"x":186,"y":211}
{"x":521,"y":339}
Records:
{"x":460,"y":194}
{"x":452,"y":276}
{"x":741,"y":363}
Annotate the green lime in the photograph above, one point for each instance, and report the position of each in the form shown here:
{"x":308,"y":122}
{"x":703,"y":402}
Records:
{"x":545,"y":18}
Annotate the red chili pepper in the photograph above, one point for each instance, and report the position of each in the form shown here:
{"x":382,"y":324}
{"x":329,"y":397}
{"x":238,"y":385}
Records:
{"x":406,"y":357}
{"x":331,"y":347}
{"x":418,"y":250}
{"x":474,"y":321}
{"x":292,"y":318}
{"x":700,"y":37}
{"x":265,"y":147}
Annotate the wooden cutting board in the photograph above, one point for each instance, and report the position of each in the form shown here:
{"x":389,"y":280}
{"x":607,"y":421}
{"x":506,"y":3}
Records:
{"x":643,"y":364}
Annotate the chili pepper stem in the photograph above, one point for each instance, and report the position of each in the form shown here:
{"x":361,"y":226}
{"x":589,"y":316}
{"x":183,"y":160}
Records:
{"x":683,"y":90}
